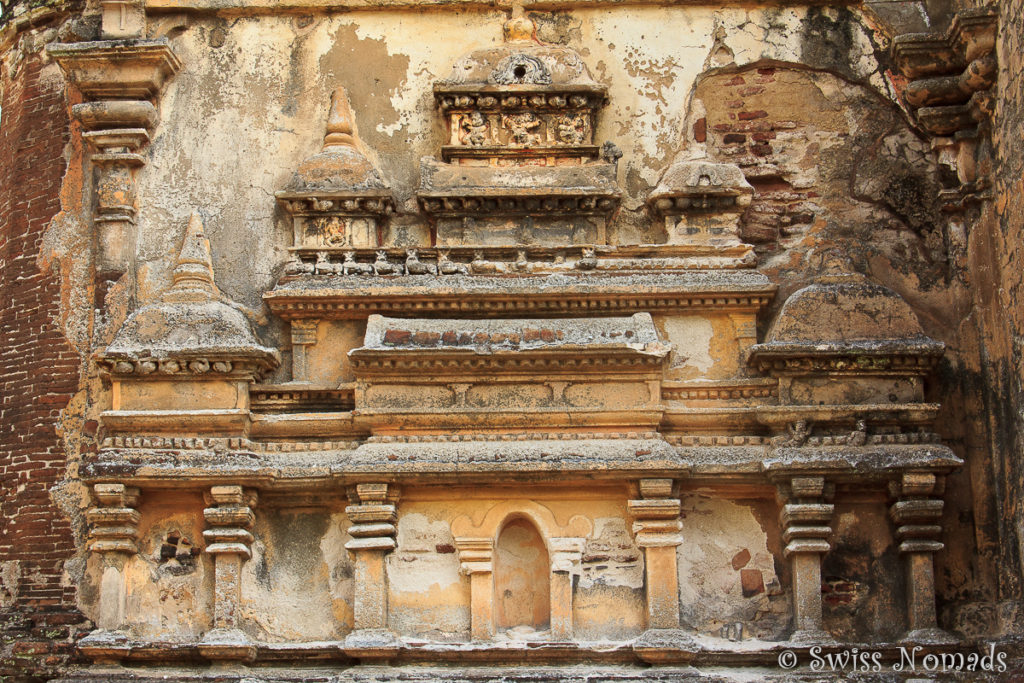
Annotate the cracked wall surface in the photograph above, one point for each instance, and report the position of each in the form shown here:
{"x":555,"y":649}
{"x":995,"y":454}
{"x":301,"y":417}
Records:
{"x":805,"y":100}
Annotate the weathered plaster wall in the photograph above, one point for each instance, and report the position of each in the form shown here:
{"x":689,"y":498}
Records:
{"x":301,"y":570}
{"x":727,"y":568}
{"x":226,"y":151}
{"x":835,"y":166}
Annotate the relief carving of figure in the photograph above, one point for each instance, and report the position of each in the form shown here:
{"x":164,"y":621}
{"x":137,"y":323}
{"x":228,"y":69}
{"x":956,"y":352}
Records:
{"x":522,"y":127}
{"x":474,"y":130}
{"x":571,"y":129}
{"x":332,"y":230}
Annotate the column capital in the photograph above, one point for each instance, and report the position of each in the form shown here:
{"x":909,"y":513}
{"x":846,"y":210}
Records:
{"x":475,"y":554}
{"x":230,"y":519}
{"x":114,"y":520}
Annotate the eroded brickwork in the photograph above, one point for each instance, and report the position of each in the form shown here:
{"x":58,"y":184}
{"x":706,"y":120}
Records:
{"x":38,"y":375}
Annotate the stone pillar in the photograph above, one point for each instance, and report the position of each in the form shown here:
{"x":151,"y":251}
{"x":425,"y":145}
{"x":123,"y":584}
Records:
{"x":373,"y":515}
{"x":228,"y":536}
{"x":476,"y":558}
{"x":303,"y":336}
{"x":657,"y":527}
{"x":806,"y":532}
{"x":114,"y":525}
{"x":566,"y":557}
{"x":120,"y":78}
{"x":115,"y":159}
{"x":916,"y":514}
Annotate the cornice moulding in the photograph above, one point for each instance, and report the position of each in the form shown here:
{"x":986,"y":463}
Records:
{"x":117,"y":69}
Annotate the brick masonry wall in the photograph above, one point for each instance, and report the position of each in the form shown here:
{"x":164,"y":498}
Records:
{"x":747,"y":139}
{"x":38,"y":375}
{"x":1001,"y":259}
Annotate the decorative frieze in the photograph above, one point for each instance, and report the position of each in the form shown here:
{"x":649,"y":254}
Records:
{"x":393,"y":262}
{"x":520,"y":165}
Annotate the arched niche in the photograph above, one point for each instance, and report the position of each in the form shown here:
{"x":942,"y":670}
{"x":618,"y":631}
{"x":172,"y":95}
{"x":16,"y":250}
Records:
{"x":531,"y":525}
{"x":522,"y":583}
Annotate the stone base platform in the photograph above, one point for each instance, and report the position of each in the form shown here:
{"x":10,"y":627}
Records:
{"x":645,"y":659}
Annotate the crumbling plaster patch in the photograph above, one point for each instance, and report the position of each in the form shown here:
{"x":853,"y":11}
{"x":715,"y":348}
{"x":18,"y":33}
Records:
{"x":723,"y":538}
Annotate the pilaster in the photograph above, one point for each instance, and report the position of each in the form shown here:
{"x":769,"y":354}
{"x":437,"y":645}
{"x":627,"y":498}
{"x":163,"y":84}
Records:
{"x":566,"y":557}
{"x":476,"y":556}
{"x":303,"y":336}
{"x":114,"y":523}
{"x":805,"y":519}
{"x":658,"y":530}
{"x":373,"y":514}
{"x":120,"y":79}
{"x":916,"y":514}
{"x":229,"y":537}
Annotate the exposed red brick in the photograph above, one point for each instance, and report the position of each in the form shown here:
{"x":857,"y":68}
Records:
{"x":38,"y":376}
{"x":397,"y":337}
{"x":751,"y":115}
{"x":700,"y":130}
{"x":426,"y":338}
{"x":751,"y":582}
{"x":740,"y":559}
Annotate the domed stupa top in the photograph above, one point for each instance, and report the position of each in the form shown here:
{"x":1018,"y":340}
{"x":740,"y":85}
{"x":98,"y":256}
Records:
{"x":340,"y":165}
{"x":193,"y":325}
{"x":843,"y":313}
{"x":523,"y":61}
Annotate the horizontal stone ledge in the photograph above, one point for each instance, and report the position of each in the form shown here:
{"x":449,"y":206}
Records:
{"x":293,"y":6}
{"x":724,"y":468}
{"x":618,"y":660}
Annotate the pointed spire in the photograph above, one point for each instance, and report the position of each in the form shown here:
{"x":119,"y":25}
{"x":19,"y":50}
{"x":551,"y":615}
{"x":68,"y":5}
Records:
{"x":519,"y":27}
{"x":340,"y":130}
{"x":193,"y":272}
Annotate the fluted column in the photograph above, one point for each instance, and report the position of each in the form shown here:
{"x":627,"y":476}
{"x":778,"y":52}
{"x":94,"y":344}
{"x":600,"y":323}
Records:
{"x":373,"y":514}
{"x":916,"y":514}
{"x":228,"y":536}
{"x":806,"y":532}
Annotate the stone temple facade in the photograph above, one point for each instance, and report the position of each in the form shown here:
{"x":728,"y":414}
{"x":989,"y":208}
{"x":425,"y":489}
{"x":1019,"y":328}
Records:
{"x":471,"y":341}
